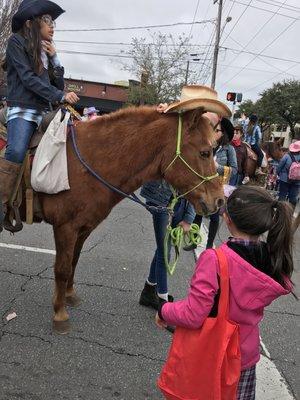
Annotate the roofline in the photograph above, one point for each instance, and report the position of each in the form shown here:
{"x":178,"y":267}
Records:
{"x":97,"y":83}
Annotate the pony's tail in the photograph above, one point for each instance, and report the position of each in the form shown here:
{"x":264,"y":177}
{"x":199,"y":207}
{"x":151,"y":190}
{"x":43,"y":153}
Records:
{"x":280,"y":240}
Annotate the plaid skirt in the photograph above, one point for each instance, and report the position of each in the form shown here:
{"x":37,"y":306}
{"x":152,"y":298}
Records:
{"x":247,"y":383}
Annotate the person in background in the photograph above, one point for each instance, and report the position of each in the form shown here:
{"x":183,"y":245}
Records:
{"x":34,"y":81}
{"x":289,"y":189}
{"x":226,"y":163}
{"x":253,"y":137}
{"x":259,"y":273}
{"x":240,"y":176}
{"x":158,"y":193}
{"x":92,"y":113}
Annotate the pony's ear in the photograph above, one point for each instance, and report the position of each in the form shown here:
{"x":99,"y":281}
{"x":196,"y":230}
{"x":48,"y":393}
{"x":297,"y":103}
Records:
{"x":193,"y":121}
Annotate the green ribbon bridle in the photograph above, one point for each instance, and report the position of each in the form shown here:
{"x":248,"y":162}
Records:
{"x":176,"y":236}
{"x":179,"y":156}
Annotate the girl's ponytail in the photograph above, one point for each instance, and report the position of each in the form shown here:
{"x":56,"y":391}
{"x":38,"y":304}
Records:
{"x":254,"y":212}
{"x":280,"y":239}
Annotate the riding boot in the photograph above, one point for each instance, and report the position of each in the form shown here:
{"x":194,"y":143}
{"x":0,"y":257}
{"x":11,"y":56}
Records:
{"x":9,"y":172}
{"x":149,"y":297}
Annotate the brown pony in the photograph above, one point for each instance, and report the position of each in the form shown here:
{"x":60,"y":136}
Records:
{"x":127,"y":148}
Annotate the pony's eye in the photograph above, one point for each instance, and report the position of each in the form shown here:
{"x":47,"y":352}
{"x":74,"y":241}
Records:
{"x":205,"y":154}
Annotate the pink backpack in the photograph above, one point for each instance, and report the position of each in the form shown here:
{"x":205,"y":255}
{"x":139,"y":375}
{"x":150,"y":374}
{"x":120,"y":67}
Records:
{"x":294,"y":171}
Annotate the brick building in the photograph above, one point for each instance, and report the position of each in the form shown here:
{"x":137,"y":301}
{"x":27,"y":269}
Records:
{"x":105,"y":97}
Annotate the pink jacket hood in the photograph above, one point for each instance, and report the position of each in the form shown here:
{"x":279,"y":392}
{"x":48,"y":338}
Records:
{"x":250,"y":291}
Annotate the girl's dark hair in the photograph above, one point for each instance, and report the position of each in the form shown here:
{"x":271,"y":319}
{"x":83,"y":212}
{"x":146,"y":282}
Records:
{"x":252,"y":122}
{"x":254,"y":212}
{"x":224,"y":139}
{"x":32,"y":34}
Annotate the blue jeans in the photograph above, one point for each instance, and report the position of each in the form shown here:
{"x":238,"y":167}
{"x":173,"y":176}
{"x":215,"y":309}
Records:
{"x":236,"y":179}
{"x":158,"y":270}
{"x":19,"y":133}
{"x":288,"y":191}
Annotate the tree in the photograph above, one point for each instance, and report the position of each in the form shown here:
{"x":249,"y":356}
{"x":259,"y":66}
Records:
{"x":7,"y":10}
{"x":283,"y":101}
{"x":160,"y":66}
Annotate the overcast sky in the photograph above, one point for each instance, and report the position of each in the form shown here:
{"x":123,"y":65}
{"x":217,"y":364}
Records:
{"x":265,"y":27}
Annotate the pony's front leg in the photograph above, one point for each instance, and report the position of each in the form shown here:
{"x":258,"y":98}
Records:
{"x":72,"y":299}
{"x":65,"y":240}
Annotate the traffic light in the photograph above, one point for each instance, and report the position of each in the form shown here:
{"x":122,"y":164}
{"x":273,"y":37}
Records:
{"x":231,"y":96}
{"x":239,"y":97}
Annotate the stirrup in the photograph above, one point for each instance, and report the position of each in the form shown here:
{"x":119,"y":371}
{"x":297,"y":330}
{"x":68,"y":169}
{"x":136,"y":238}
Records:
{"x":12,"y":215}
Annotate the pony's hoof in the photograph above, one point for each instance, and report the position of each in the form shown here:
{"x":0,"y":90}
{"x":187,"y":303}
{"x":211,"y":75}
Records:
{"x":61,"y":327}
{"x":73,"y":301}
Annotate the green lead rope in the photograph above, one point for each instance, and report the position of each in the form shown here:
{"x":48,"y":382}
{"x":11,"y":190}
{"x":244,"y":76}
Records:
{"x":175,"y":237}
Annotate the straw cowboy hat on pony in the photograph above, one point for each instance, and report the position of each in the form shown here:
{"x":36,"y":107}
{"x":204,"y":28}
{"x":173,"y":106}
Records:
{"x":30,"y":9}
{"x":196,"y":96}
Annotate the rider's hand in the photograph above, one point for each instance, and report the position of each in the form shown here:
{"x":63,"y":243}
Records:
{"x":49,"y":48}
{"x":162,"y":107}
{"x":185,"y":226}
{"x":159,"y":322}
{"x":71,"y":98}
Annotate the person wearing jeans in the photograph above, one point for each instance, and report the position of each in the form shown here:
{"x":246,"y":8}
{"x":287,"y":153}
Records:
{"x":226,"y":163}
{"x":253,"y":137}
{"x":289,"y":190}
{"x":158,"y":193}
{"x":35,"y":80}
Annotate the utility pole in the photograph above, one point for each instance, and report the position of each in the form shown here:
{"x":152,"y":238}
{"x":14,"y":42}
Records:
{"x":217,"y":43}
{"x":187,"y":72}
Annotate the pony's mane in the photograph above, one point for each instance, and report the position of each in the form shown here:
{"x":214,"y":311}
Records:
{"x":143,"y":111}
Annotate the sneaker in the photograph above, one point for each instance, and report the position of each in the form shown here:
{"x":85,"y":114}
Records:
{"x":245,"y":180}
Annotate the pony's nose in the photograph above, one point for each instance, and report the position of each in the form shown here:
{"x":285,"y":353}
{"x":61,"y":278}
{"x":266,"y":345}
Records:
{"x":220,"y":203}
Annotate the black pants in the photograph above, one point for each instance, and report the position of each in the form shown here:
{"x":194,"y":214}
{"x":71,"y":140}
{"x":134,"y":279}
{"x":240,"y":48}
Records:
{"x":213,"y":227}
{"x":259,"y":153}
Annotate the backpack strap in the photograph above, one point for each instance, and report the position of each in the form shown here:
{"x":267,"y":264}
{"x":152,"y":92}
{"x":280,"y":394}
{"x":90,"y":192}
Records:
{"x":293,"y":158}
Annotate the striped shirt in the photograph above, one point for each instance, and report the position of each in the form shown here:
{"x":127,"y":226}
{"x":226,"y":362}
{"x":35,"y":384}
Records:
{"x":27,"y":113}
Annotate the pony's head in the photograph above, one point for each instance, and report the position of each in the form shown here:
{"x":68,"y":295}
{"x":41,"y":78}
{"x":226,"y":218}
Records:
{"x":195,"y":177}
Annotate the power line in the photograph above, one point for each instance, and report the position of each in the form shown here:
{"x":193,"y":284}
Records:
{"x":268,"y":80}
{"x":192,"y":26}
{"x":110,"y":55}
{"x":134,"y":27}
{"x":258,"y":54}
{"x":256,"y":34}
{"x":277,"y":37}
{"x":237,"y":19}
{"x":264,"y":9}
{"x":122,"y":43}
{"x":277,"y":3}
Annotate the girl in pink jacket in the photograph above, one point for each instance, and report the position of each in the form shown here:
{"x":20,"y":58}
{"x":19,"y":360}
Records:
{"x":259,"y":272}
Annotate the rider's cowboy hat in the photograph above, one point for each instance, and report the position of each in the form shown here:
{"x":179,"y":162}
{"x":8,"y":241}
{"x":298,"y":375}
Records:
{"x":196,"y":96}
{"x":30,"y":9}
{"x":295,"y":147}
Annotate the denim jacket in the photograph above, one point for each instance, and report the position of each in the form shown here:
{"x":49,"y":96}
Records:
{"x":24,"y":87}
{"x":159,"y":193}
{"x":284,"y":167}
{"x":226,"y":156}
{"x":255,"y":138}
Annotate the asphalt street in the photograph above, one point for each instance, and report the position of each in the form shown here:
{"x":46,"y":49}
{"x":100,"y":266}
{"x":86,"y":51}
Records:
{"x":114,"y":350}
